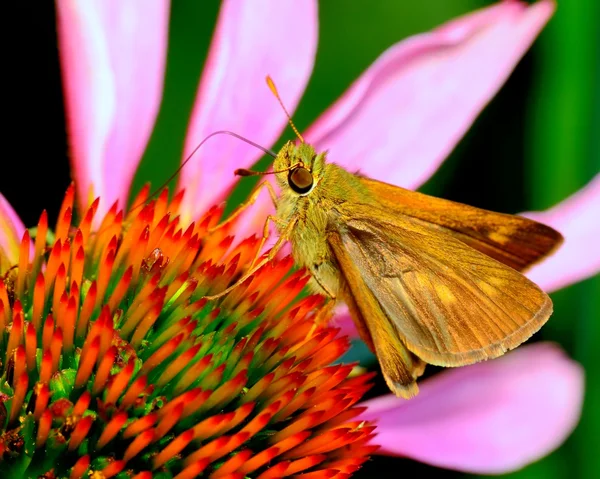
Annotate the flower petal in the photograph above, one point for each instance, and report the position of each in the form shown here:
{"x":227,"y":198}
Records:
{"x":11,"y":232}
{"x":113,"y":59}
{"x":407,"y":112}
{"x":492,"y":417}
{"x":252,"y":40}
{"x":579,"y":256}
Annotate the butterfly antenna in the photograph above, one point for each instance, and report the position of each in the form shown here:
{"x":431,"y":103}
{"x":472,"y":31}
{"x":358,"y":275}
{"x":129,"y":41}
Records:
{"x":273,"y":89}
{"x":189,"y":157}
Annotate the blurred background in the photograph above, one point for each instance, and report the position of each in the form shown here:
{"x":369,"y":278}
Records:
{"x":535,"y":144}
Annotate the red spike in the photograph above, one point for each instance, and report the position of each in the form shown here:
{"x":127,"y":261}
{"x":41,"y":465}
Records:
{"x":15,"y":336}
{"x":87,"y":361}
{"x":44,"y":425}
{"x":42,"y":396}
{"x":19,"y":362}
{"x":82,"y":404}
{"x":80,"y":467}
{"x":46,"y":366}
{"x":119,"y":383}
{"x":87,"y":309}
{"x":21,"y":384}
{"x":56,"y":345}
{"x":140,"y":425}
{"x":139,"y":443}
{"x":106,"y":363}
{"x":134,"y":391}
{"x":23,"y":269}
{"x":111,"y":429}
{"x":40,"y":243}
{"x":52,"y":266}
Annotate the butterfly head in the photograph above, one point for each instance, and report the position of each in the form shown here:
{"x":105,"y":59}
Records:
{"x":298,"y":167}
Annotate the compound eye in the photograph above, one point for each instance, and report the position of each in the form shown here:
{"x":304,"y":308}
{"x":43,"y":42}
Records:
{"x":300,"y":180}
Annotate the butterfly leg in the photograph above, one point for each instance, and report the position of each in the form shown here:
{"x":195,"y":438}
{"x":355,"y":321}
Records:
{"x":250,"y":201}
{"x":276,"y":247}
{"x":325,"y":312}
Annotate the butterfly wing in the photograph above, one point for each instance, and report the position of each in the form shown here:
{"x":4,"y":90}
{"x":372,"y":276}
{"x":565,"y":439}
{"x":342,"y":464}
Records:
{"x":513,"y":240}
{"x":446,"y":302}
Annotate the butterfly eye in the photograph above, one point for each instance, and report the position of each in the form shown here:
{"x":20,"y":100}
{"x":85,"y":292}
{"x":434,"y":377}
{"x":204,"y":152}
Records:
{"x":300,"y":180}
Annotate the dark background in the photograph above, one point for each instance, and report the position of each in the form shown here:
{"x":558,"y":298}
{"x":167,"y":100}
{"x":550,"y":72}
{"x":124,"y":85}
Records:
{"x":535,"y":144}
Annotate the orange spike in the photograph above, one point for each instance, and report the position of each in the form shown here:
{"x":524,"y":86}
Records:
{"x":160,"y":205}
{"x":42,"y":396}
{"x":38,"y":301}
{"x":185,"y":398}
{"x":178,"y":364}
{"x":60,"y":284}
{"x":80,"y":467}
{"x":30,"y":346}
{"x":140,"y":425}
{"x":134,"y":391}
{"x":56,"y":348}
{"x":106,"y":363}
{"x":221,"y":423}
{"x":156,"y":233}
{"x":143,"y":475}
{"x":113,"y":469}
{"x":15,"y":336}
{"x":176,"y":201}
{"x":173,"y":448}
{"x":105,"y":271}
{"x":138,"y":252}
{"x":111,"y":429}
{"x":43,"y":429}
{"x":87,"y":362}
{"x":80,"y":432}
{"x":161,"y":354}
{"x":23,"y":270}
{"x":87,"y":309}
{"x":145,"y":325}
{"x":19,"y":362}
{"x":76,"y":266}
{"x":138,"y":444}
{"x":193,"y":470}
{"x":64,"y":222}
{"x":65,"y":257}
{"x":46,"y":366}
{"x":107,"y":332}
{"x":4,"y":300}
{"x":52,"y":266}
{"x":47,"y":332}
{"x":258,"y":460}
{"x":19,"y":396}
{"x":232,"y":464}
{"x":121,"y":289}
{"x":66,"y":205}
{"x":119,"y":383}
{"x":86,"y":224}
{"x":168,"y":421}
{"x":40,"y":243}
{"x":82,"y":404}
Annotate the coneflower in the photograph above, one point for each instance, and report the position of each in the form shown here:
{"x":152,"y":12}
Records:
{"x":114,"y":363}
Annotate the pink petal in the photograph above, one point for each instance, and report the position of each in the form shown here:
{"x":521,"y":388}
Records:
{"x":578,"y":219}
{"x":113,"y":59}
{"x":406,"y":113}
{"x":492,"y":417}
{"x":252,"y":40}
{"x":11,"y":233}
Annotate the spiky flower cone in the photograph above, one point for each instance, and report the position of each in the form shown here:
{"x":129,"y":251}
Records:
{"x":114,"y":366}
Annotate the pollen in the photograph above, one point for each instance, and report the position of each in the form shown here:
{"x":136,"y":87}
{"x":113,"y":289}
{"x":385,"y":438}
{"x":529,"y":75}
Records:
{"x":114,"y":364}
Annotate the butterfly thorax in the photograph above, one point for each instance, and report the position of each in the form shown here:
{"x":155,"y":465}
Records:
{"x":314,"y":211}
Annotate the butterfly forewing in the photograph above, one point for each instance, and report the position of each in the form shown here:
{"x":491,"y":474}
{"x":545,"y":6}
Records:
{"x":513,"y":240}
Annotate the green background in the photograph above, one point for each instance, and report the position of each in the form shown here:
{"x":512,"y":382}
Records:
{"x":538,"y":140}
